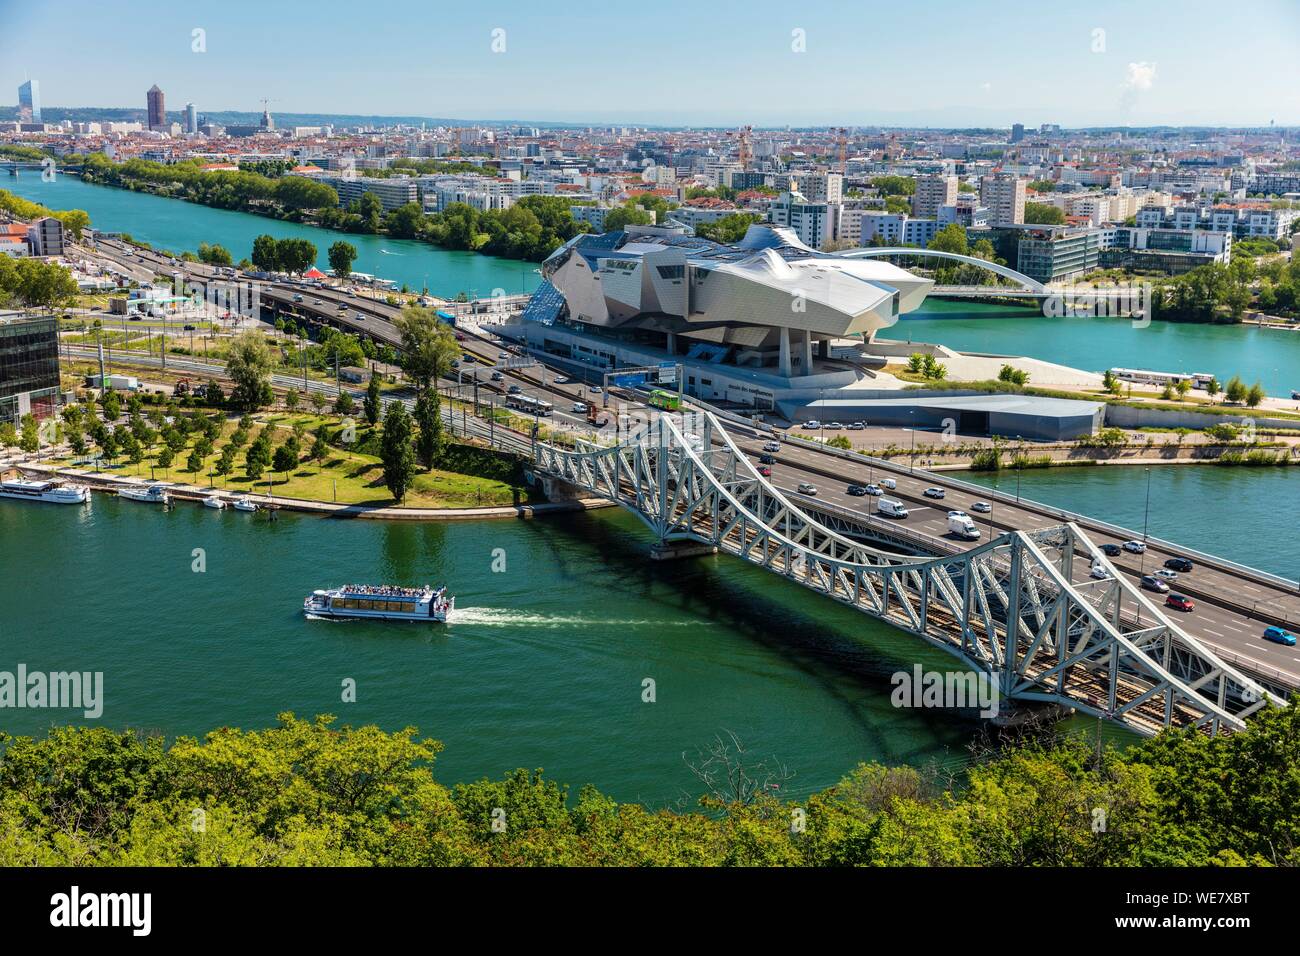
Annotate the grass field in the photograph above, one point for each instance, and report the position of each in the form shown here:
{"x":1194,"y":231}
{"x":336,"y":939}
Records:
{"x":344,"y":476}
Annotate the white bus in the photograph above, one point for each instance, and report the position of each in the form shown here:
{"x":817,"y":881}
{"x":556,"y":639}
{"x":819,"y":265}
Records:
{"x":526,"y":403}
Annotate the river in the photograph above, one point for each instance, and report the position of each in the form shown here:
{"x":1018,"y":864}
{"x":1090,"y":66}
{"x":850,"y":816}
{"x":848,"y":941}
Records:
{"x":180,"y":226}
{"x":541,"y":666}
{"x":1245,"y":514}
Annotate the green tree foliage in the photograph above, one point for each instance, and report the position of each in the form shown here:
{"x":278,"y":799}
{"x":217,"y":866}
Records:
{"x":431,"y":440}
{"x":372,"y":405}
{"x":342,"y":255}
{"x":729,"y":229}
{"x":396,"y":453}
{"x":428,"y":345}
{"x":316,"y":793}
{"x":1039,"y":213}
{"x":36,"y":283}
{"x":249,"y":365}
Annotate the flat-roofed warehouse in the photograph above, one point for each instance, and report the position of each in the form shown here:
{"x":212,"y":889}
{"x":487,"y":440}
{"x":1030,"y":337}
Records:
{"x":1011,"y":416}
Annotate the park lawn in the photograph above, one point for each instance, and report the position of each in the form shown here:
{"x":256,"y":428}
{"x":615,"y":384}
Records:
{"x":345,"y":477}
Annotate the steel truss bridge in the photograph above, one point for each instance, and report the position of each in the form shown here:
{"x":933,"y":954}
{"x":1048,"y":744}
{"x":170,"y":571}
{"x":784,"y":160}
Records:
{"x":1009,"y":608}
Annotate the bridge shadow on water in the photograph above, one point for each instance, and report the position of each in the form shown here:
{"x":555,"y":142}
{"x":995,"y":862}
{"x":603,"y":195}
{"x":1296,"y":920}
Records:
{"x":848,"y":657}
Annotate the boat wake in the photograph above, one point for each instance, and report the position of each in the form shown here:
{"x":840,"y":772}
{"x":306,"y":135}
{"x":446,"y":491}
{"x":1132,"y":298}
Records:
{"x":506,"y":617}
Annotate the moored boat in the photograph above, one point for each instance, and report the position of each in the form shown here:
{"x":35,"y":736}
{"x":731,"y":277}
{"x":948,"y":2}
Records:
{"x":52,"y":491}
{"x":152,"y":494}
{"x":384,"y":602}
{"x":214,"y":501}
{"x":245,"y":503}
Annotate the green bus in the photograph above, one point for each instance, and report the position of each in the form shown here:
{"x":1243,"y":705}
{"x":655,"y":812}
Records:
{"x":665,"y":400}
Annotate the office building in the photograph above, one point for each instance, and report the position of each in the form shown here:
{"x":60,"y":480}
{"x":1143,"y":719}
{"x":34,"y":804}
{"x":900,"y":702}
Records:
{"x":1017,"y":132}
{"x":29,"y":102}
{"x":157,"y":108}
{"x":191,"y":119}
{"x":29,"y":366}
{"x":1167,"y":251}
{"x":1053,"y":253}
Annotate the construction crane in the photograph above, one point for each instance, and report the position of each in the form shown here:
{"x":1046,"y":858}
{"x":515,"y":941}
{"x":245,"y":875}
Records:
{"x":842,"y":140}
{"x":746,"y":151}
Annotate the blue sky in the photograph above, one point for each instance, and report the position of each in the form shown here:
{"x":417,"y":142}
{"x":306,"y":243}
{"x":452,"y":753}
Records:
{"x":928,"y":62}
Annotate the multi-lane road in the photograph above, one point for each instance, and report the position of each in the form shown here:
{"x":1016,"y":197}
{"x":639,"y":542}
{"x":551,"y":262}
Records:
{"x":1232,"y":604}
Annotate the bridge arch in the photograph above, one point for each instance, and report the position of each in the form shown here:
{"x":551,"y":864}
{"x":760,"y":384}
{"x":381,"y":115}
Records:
{"x":880,"y":252}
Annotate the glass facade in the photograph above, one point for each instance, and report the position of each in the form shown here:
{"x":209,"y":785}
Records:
{"x":29,"y":367}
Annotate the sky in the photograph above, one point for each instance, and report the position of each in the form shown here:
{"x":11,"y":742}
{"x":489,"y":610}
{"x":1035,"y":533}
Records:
{"x":675,"y":62}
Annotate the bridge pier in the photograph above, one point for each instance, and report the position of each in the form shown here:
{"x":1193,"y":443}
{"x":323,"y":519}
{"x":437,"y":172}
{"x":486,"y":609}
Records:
{"x":1016,"y":713}
{"x":674,"y":550}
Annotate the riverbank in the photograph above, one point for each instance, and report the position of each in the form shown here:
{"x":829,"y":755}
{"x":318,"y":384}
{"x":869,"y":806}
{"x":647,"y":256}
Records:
{"x":164,"y":224}
{"x":111,"y":484}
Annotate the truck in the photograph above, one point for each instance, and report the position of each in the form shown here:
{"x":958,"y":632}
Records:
{"x":182,"y":387}
{"x":119,"y":383}
{"x":963,"y":527}
{"x":891,"y":508}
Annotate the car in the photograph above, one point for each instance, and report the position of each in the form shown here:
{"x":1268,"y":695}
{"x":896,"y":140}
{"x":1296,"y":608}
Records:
{"x":1164,"y":574}
{"x":834,"y":424}
{"x":467,"y":358}
{"x":1179,"y":564}
{"x":771,"y":446}
{"x":562,"y":380}
{"x":136,"y":317}
{"x":875,"y":491}
{"x":1180,"y":602}
{"x":857,"y":426}
{"x":455,"y":363}
{"x":765,"y":471}
{"x":502,"y":356}
{"x":857,"y":491}
{"x":315,"y":302}
{"x":1099,"y":571}
{"x":513,"y":390}
{"x":1135,"y":547}
{"x":579,"y":408}
{"x":594,"y":389}
{"x":498,"y":377}
{"x":1152,"y":583}
{"x":766,"y":459}
{"x":935,"y":493}
{"x":1111,"y":550}
{"x":811,"y":425}
{"x":807,"y":489}
{"x":983,"y":507}
{"x":958,"y":514}
{"x":1279,"y":635}
{"x":342,"y":307}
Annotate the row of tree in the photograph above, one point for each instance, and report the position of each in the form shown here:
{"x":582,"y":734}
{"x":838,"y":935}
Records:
{"x":311,"y":792}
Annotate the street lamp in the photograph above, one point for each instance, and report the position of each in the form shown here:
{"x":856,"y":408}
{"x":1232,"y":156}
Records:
{"x":1146,"y":514}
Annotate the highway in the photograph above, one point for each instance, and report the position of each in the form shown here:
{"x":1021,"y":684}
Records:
{"x":1231,"y":605}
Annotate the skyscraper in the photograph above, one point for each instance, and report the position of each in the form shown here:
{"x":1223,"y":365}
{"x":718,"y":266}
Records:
{"x":157,"y":108}
{"x":191,"y":118}
{"x":29,"y":102}
{"x":1017,"y":132}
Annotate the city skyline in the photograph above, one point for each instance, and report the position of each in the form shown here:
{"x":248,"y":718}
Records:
{"x":1105,"y":66}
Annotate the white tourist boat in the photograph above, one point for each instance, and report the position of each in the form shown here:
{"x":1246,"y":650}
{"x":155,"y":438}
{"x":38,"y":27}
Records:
{"x":384,"y":602}
{"x":52,"y":491}
{"x":245,"y":503}
{"x":214,"y":501}
{"x":153,"y":494}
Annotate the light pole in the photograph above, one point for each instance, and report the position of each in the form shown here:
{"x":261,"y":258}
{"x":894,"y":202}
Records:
{"x":1146,"y":514}
{"x":911,"y":456}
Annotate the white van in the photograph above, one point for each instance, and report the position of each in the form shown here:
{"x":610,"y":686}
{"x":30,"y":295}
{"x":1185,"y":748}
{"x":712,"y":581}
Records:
{"x":889,"y":483}
{"x":963,"y":527}
{"x":891,"y":508}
